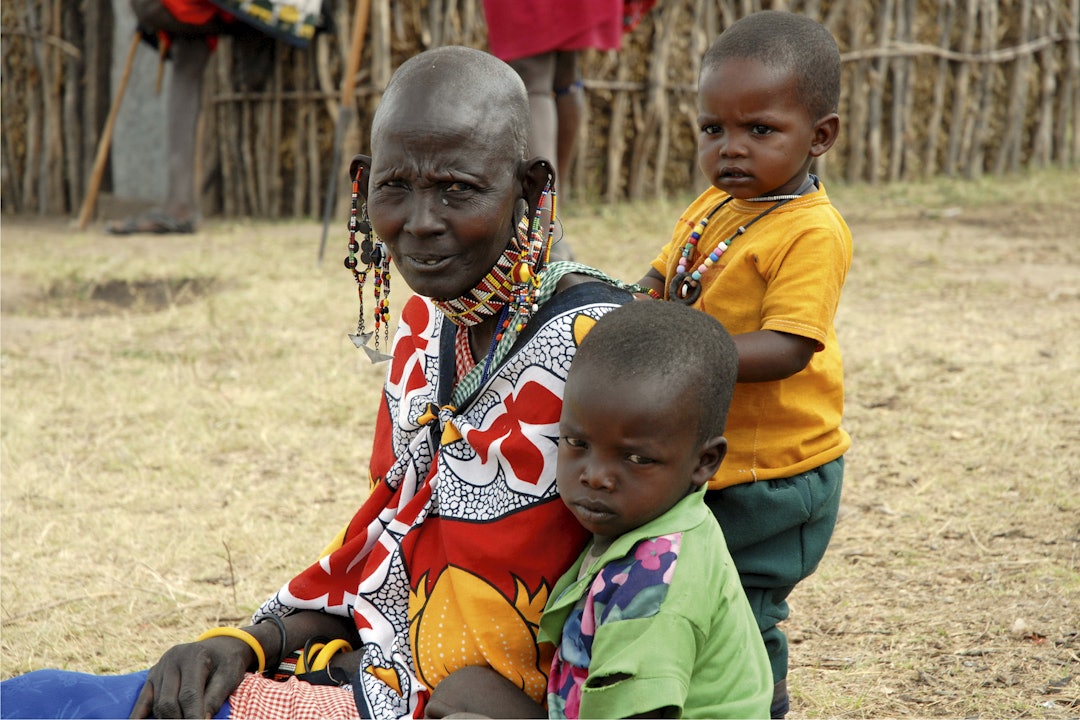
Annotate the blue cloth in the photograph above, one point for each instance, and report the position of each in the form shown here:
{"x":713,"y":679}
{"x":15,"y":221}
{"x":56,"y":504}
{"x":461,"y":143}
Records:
{"x":63,"y":694}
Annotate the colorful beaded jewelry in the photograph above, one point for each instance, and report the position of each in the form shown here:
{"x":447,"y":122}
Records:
{"x":529,"y":275}
{"x":686,"y":286}
{"x":374,"y":258}
{"x":489,"y":296}
{"x":534,"y":255}
{"x":513,"y":280}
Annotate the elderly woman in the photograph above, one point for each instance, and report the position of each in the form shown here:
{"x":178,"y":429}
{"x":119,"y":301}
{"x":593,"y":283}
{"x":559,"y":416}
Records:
{"x":450,"y":560}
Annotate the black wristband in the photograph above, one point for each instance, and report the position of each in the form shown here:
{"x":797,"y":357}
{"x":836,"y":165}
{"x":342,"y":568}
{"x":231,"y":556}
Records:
{"x":272,"y":667}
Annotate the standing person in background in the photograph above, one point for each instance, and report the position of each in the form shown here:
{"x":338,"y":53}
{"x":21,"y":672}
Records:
{"x":187,"y":30}
{"x":543,"y":41}
{"x":765,"y":253}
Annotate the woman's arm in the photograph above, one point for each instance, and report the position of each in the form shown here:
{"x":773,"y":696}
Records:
{"x":194,"y":679}
{"x":480,"y":692}
{"x":653,"y":281}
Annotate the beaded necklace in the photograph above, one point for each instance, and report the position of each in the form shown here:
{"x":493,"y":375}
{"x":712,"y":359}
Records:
{"x":489,"y":296}
{"x":510,"y":289}
{"x":686,"y":286}
{"x":512,"y":281}
{"x":547,"y":281}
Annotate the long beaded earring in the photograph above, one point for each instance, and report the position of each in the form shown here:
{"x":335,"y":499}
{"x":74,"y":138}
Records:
{"x":374,"y":258}
{"x":534,"y":256}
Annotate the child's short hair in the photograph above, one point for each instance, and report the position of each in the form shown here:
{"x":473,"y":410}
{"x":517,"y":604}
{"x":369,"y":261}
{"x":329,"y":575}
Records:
{"x":651,"y":341}
{"x":791,"y":41}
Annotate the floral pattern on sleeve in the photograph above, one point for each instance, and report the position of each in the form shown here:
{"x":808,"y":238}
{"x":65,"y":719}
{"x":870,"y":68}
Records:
{"x":634,"y":586}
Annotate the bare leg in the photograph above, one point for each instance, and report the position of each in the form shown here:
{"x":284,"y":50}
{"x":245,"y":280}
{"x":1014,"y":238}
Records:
{"x":538,"y":74}
{"x":569,"y":107}
{"x":190,"y":56}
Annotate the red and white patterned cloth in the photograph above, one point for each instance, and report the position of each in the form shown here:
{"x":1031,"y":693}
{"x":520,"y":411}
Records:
{"x":450,"y":560}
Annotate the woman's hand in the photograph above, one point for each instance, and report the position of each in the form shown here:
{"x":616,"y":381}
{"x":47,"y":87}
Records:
{"x":480,"y":692}
{"x":193,"y":680}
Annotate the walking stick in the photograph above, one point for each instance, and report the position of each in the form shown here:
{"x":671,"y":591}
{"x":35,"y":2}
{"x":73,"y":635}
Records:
{"x":106,"y":138}
{"x":346,"y":110}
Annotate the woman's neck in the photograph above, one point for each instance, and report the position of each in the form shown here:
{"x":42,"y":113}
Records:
{"x":480,"y":337}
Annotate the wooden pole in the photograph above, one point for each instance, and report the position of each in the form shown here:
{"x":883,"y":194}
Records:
{"x":930,"y":164}
{"x":106,"y":139}
{"x":956,"y":143}
{"x":345,"y":112}
{"x":1010,"y":145}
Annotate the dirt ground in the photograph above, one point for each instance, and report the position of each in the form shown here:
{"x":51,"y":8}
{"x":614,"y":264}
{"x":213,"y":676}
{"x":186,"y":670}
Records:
{"x":952,"y":585}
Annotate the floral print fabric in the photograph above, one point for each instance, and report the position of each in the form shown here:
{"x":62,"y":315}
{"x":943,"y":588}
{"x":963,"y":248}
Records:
{"x":632,"y":587}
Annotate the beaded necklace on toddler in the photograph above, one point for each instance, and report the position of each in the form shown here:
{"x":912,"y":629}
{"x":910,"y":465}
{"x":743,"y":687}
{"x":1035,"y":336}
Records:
{"x":686,"y":286}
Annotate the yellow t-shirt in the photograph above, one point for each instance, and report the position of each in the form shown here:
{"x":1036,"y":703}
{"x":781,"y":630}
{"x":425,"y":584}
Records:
{"x":786,"y":274}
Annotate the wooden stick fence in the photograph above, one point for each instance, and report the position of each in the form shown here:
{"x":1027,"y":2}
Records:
{"x":931,"y":87}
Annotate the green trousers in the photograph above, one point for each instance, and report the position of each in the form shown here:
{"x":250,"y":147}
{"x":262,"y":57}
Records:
{"x":777,"y":532}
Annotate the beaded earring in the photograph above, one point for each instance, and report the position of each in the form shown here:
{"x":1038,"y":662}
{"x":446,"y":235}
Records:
{"x":374,"y":258}
{"x":533,"y":257}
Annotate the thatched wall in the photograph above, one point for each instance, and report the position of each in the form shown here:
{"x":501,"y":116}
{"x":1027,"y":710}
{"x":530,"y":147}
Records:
{"x":931,"y":87}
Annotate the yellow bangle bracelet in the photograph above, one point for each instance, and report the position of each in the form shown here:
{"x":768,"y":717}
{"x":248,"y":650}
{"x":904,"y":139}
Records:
{"x":316,"y":656}
{"x":328,"y":651}
{"x":304,"y":661}
{"x":243,"y":635}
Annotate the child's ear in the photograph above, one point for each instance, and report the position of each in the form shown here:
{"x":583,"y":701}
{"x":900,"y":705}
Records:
{"x":538,"y":174}
{"x":826,"y":131}
{"x":361,"y":162}
{"x":712,"y":454}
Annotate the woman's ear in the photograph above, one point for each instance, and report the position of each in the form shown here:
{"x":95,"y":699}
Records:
{"x":361,"y":164}
{"x":538,"y":175}
{"x":826,"y":130}
{"x":711,"y":455}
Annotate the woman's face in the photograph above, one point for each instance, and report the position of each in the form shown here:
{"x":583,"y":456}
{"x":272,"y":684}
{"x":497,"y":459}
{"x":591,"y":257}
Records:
{"x":442,"y":193}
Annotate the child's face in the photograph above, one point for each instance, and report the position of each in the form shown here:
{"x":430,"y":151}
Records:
{"x":442,"y":192}
{"x":754,"y":136}
{"x":628,"y":452}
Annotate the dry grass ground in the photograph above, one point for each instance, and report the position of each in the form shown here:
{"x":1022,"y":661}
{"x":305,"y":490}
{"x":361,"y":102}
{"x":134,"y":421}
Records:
{"x":185,"y":424}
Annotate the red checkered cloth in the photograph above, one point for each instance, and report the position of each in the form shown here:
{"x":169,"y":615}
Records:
{"x":463,"y":359}
{"x":259,"y":697}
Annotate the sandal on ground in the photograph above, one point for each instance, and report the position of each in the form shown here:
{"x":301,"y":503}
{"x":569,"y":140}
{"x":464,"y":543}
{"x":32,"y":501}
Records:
{"x":153,"y":223}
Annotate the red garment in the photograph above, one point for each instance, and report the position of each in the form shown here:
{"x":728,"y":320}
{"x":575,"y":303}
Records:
{"x":195,"y":12}
{"x":518,"y":29}
{"x":634,"y":12}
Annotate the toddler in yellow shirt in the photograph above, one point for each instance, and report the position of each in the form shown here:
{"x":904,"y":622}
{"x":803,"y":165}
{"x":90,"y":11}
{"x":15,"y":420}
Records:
{"x":765,"y":252}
